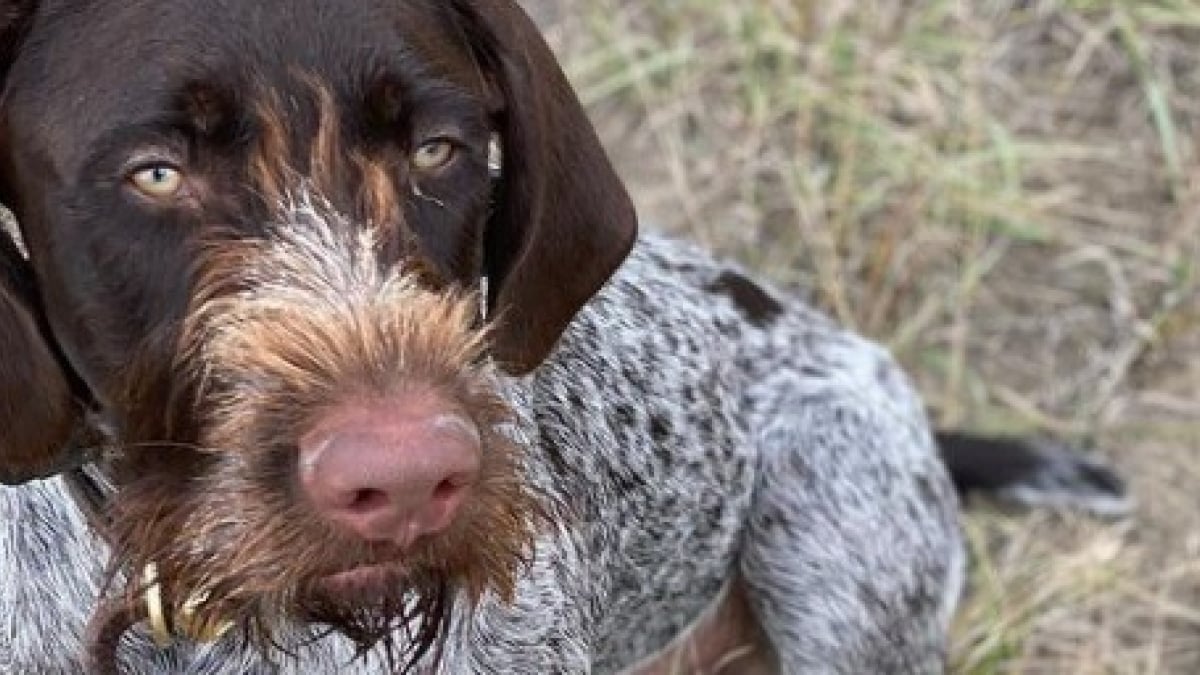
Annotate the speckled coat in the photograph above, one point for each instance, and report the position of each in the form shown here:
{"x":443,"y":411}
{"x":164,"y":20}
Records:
{"x":694,"y":425}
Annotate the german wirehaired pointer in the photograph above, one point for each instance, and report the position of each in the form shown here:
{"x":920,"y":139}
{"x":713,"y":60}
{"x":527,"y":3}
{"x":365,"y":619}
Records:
{"x":328,"y":344}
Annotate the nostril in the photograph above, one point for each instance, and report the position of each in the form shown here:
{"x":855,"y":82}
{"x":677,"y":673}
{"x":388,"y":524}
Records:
{"x":368,"y":500}
{"x":447,"y":489}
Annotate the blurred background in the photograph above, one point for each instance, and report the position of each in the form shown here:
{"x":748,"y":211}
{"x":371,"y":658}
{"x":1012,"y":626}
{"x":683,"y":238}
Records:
{"x":1005,"y":193}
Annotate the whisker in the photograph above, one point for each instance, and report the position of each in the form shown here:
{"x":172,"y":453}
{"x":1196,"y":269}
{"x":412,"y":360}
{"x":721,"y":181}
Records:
{"x":177,"y":445}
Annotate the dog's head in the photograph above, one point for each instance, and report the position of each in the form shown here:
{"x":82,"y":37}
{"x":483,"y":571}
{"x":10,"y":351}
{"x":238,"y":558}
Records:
{"x":255,"y":231}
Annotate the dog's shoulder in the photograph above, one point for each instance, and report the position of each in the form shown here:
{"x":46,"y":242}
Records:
{"x":677,"y":317}
{"x":671,"y":310}
{"x":681,"y":346}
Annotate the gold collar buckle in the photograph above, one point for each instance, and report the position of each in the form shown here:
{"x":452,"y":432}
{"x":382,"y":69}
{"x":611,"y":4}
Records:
{"x":185,"y":624}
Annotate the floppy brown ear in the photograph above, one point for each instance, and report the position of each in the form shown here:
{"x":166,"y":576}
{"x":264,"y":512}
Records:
{"x":37,"y":409}
{"x":15,"y":16}
{"x":563,"y":220}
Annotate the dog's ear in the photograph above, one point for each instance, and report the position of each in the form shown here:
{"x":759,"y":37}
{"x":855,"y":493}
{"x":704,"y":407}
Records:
{"x":563,"y":221}
{"x":37,"y":410}
{"x":14,"y":19}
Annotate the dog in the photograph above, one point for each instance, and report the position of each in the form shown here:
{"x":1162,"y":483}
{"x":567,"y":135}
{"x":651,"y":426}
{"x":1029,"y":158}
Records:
{"x":331,"y":344}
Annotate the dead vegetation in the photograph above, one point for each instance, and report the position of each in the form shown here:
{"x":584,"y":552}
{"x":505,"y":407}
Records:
{"x":1008,"y":194}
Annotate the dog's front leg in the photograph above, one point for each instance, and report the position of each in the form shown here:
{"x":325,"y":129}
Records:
{"x":853,"y":557}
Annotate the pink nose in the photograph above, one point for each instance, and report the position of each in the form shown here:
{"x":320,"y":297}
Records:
{"x":391,"y":471}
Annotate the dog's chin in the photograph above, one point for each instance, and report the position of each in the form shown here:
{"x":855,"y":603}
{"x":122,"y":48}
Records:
{"x":363,"y":584}
{"x":378,"y":606}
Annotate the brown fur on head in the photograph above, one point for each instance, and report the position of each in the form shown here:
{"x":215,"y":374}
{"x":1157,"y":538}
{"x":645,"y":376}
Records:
{"x":318,"y":323}
{"x":38,"y":411}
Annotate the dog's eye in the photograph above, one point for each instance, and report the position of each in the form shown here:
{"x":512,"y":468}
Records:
{"x":433,"y":155}
{"x":159,"y":181}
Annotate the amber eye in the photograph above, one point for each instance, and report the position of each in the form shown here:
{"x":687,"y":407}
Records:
{"x":433,"y":155}
{"x":158,"y":181}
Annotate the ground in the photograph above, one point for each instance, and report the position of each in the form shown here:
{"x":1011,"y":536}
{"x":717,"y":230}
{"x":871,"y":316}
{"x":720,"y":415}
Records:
{"x":1005,"y":193}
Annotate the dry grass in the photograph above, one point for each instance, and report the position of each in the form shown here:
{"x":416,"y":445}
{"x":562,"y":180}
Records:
{"x":1007,"y":193}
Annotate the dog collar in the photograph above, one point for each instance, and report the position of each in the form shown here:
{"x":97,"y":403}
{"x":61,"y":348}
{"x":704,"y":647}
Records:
{"x":85,"y":474}
{"x":167,"y":625}
{"x":93,"y":492}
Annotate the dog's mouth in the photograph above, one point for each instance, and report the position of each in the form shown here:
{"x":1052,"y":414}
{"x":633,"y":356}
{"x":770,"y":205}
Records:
{"x":363,"y":582}
{"x":396,"y":605}
{"x":257,"y":566}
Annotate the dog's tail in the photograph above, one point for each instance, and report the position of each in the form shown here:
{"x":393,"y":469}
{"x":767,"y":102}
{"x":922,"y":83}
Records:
{"x":1033,"y":473}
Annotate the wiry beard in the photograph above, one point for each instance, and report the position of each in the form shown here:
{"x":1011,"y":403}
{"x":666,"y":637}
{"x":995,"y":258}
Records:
{"x":280,"y":331}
